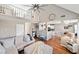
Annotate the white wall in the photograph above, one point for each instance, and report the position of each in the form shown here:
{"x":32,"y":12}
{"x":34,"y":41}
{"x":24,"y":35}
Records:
{"x":44,"y":14}
{"x":7,"y":29}
{"x":8,"y":26}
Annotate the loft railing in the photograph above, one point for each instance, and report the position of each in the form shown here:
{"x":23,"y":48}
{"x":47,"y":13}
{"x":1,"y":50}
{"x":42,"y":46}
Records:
{"x":11,"y":10}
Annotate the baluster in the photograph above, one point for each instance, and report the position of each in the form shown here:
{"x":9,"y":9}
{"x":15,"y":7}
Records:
{"x":25,"y":15}
{"x":1,"y":9}
{"x":14,"y":12}
{"x":19,"y":13}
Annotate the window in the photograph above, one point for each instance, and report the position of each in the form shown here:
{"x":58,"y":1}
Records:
{"x":75,"y":28}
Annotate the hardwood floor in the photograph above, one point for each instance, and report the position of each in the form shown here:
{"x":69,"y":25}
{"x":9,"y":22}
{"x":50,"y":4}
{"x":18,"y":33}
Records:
{"x":55,"y":44}
{"x":57,"y":48}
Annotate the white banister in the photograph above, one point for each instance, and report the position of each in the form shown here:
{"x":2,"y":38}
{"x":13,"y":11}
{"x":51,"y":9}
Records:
{"x":11,"y":10}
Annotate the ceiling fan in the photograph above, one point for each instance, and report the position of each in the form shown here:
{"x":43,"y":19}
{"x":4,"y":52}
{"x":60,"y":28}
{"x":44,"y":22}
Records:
{"x":36,"y":7}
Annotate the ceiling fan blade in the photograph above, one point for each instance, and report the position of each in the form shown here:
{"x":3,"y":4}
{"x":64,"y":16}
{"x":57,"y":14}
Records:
{"x":33,"y":4}
{"x":43,"y":5}
{"x":41,"y":8}
{"x":30,"y":9}
{"x":28,"y":5}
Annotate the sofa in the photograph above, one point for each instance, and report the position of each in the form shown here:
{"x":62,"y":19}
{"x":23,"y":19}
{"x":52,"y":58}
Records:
{"x":11,"y":45}
{"x":70,"y":42}
{"x":22,"y":41}
{"x":7,"y":46}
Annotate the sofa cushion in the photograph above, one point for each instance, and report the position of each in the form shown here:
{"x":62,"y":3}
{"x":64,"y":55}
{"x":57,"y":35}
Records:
{"x":2,"y":49}
{"x":64,"y":39}
{"x":77,"y":41}
{"x":27,"y":38}
{"x":18,"y":40}
{"x":8,"y":43}
{"x":21,"y":42}
{"x":11,"y":51}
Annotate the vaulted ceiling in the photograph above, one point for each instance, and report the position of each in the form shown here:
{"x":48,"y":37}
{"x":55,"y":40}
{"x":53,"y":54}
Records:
{"x":71,"y":7}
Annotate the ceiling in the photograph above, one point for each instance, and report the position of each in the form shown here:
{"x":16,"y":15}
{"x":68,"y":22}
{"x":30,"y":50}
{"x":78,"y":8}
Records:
{"x":71,"y":7}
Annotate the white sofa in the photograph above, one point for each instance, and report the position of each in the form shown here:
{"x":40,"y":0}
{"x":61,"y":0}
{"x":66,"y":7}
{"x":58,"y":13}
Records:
{"x":20,"y":42}
{"x":12,"y":45}
{"x":73,"y":47}
{"x":70,"y":43}
{"x":64,"y":39}
{"x":8,"y":46}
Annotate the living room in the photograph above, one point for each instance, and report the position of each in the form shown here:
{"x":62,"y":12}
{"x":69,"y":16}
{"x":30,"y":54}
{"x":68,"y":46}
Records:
{"x":45,"y":23}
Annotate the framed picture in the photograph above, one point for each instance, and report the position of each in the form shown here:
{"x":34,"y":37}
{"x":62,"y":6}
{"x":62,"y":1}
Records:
{"x":42,"y":26}
{"x":52,"y":16}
